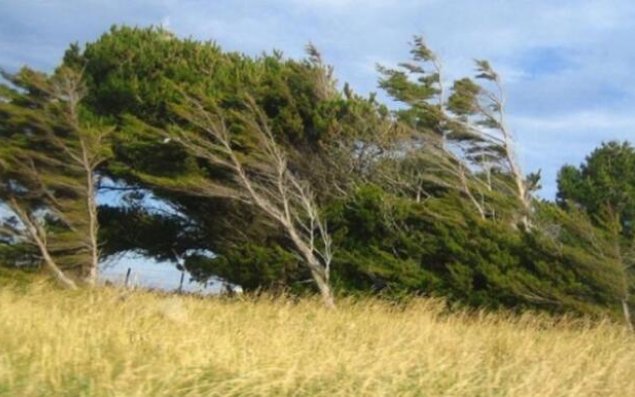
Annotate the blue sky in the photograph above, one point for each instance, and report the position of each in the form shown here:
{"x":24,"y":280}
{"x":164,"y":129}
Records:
{"x":568,"y":65}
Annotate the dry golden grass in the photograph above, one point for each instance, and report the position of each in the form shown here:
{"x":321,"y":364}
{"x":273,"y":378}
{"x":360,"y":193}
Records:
{"x":55,"y":343}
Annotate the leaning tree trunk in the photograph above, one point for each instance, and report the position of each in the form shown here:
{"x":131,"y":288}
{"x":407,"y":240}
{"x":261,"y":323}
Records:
{"x":36,"y":234}
{"x":325,"y":289}
{"x":319,"y":272}
{"x":627,"y":315}
{"x":90,"y":274}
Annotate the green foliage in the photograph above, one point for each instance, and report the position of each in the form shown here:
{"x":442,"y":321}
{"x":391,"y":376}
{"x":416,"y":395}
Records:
{"x":392,"y":244}
{"x":131,"y":82}
{"x":255,"y":266}
{"x":18,"y":255}
{"x":50,"y":149}
{"x":419,"y":203}
{"x":604,"y":188}
{"x":462,"y":133}
{"x":463,"y":98}
{"x":605,"y":181}
{"x":418,"y":85}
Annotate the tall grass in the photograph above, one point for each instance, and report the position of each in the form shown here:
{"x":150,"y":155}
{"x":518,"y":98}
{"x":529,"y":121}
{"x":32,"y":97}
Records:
{"x":109,"y":343}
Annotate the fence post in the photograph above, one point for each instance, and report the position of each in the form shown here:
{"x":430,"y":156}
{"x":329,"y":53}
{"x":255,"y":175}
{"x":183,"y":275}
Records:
{"x":181,"y":283}
{"x":127,"y":277}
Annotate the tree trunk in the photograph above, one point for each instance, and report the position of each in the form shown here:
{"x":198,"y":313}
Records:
{"x":325,"y":289}
{"x":468,"y":192}
{"x":280,"y":196}
{"x":37,"y":236}
{"x":627,"y":315}
{"x":55,"y":270}
{"x":90,"y":276}
{"x":319,"y":272}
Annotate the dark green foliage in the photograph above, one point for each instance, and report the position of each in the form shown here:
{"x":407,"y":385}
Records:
{"x":18,"y":255}
{"x":441,"y":248}
{"x":319,"y":129}
{"x":605,"y":181}
{"x":604,"y":188}
{"x":50,"y":149}
{"x":255,"y":266}
{"x":137,"y":76}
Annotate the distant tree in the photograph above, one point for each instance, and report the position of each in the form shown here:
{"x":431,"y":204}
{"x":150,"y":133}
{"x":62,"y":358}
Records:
{"x":604,"y":187}
{"x":605,"y":180}
{"x":50,"y":151}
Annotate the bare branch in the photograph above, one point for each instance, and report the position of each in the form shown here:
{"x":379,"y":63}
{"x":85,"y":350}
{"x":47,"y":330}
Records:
{"x":270,"y":187}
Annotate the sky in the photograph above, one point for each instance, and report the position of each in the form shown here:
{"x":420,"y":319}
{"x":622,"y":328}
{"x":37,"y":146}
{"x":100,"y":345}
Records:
{"x":567,"y":65}
{"x":148,"y":273}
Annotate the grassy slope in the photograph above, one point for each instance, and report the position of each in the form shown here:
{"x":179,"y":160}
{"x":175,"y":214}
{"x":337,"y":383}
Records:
{"x":103,"y":343}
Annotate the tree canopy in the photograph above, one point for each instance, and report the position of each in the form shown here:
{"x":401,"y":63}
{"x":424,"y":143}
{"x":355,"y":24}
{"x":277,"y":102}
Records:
{"x":286,"y":176}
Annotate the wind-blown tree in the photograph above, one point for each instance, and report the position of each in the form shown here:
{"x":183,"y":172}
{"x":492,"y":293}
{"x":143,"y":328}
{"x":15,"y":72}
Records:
{"x":464,"y":127}
{"x":577,"y":256}
{"x":409,"y":227}
{"x":440,"y":246}
{"x":51,"y":149}
{"x":415,"y":201}
{"x":420,"y":86}
{"x":318,"y":129}
{"x":481,"y":113}
{"x":263,"y":181}
{"x":604,"y":187}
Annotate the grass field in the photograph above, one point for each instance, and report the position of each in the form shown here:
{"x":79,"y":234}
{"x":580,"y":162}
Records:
{"x":111,"y":343}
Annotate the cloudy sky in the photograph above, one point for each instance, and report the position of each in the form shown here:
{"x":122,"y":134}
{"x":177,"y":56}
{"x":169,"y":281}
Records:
{"x":568,"y":65}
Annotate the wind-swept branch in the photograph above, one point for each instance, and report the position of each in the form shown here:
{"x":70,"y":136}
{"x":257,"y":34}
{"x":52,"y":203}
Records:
{"x":49,"y":168}
{"x":35,"y":233}
{"x":262,"y":178}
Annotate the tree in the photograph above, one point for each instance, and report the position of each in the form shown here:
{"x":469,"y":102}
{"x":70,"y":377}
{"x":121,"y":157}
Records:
{"x":135,"y":74}
{"x":394,"y":245}
{"x":51,"y":150}
{"x":467,"y":127}
{"x":251,"y":158}
{"x":604,"y":187}
{"x":267,"y":184}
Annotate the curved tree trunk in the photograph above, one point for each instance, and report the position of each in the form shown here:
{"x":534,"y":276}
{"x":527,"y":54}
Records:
{"x":37,"y":235}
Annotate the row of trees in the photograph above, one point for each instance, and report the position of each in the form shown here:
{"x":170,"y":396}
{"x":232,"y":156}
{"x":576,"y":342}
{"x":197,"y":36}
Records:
{"x":285,"y":178}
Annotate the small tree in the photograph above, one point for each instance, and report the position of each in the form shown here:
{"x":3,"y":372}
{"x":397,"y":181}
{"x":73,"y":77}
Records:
{"x":480,"y":115}
{"x":467,"y":127}
{"x":48,"y":162}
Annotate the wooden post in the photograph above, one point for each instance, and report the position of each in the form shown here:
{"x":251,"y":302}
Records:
{"x":181,"y":283}
{"x":127,"y":277}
